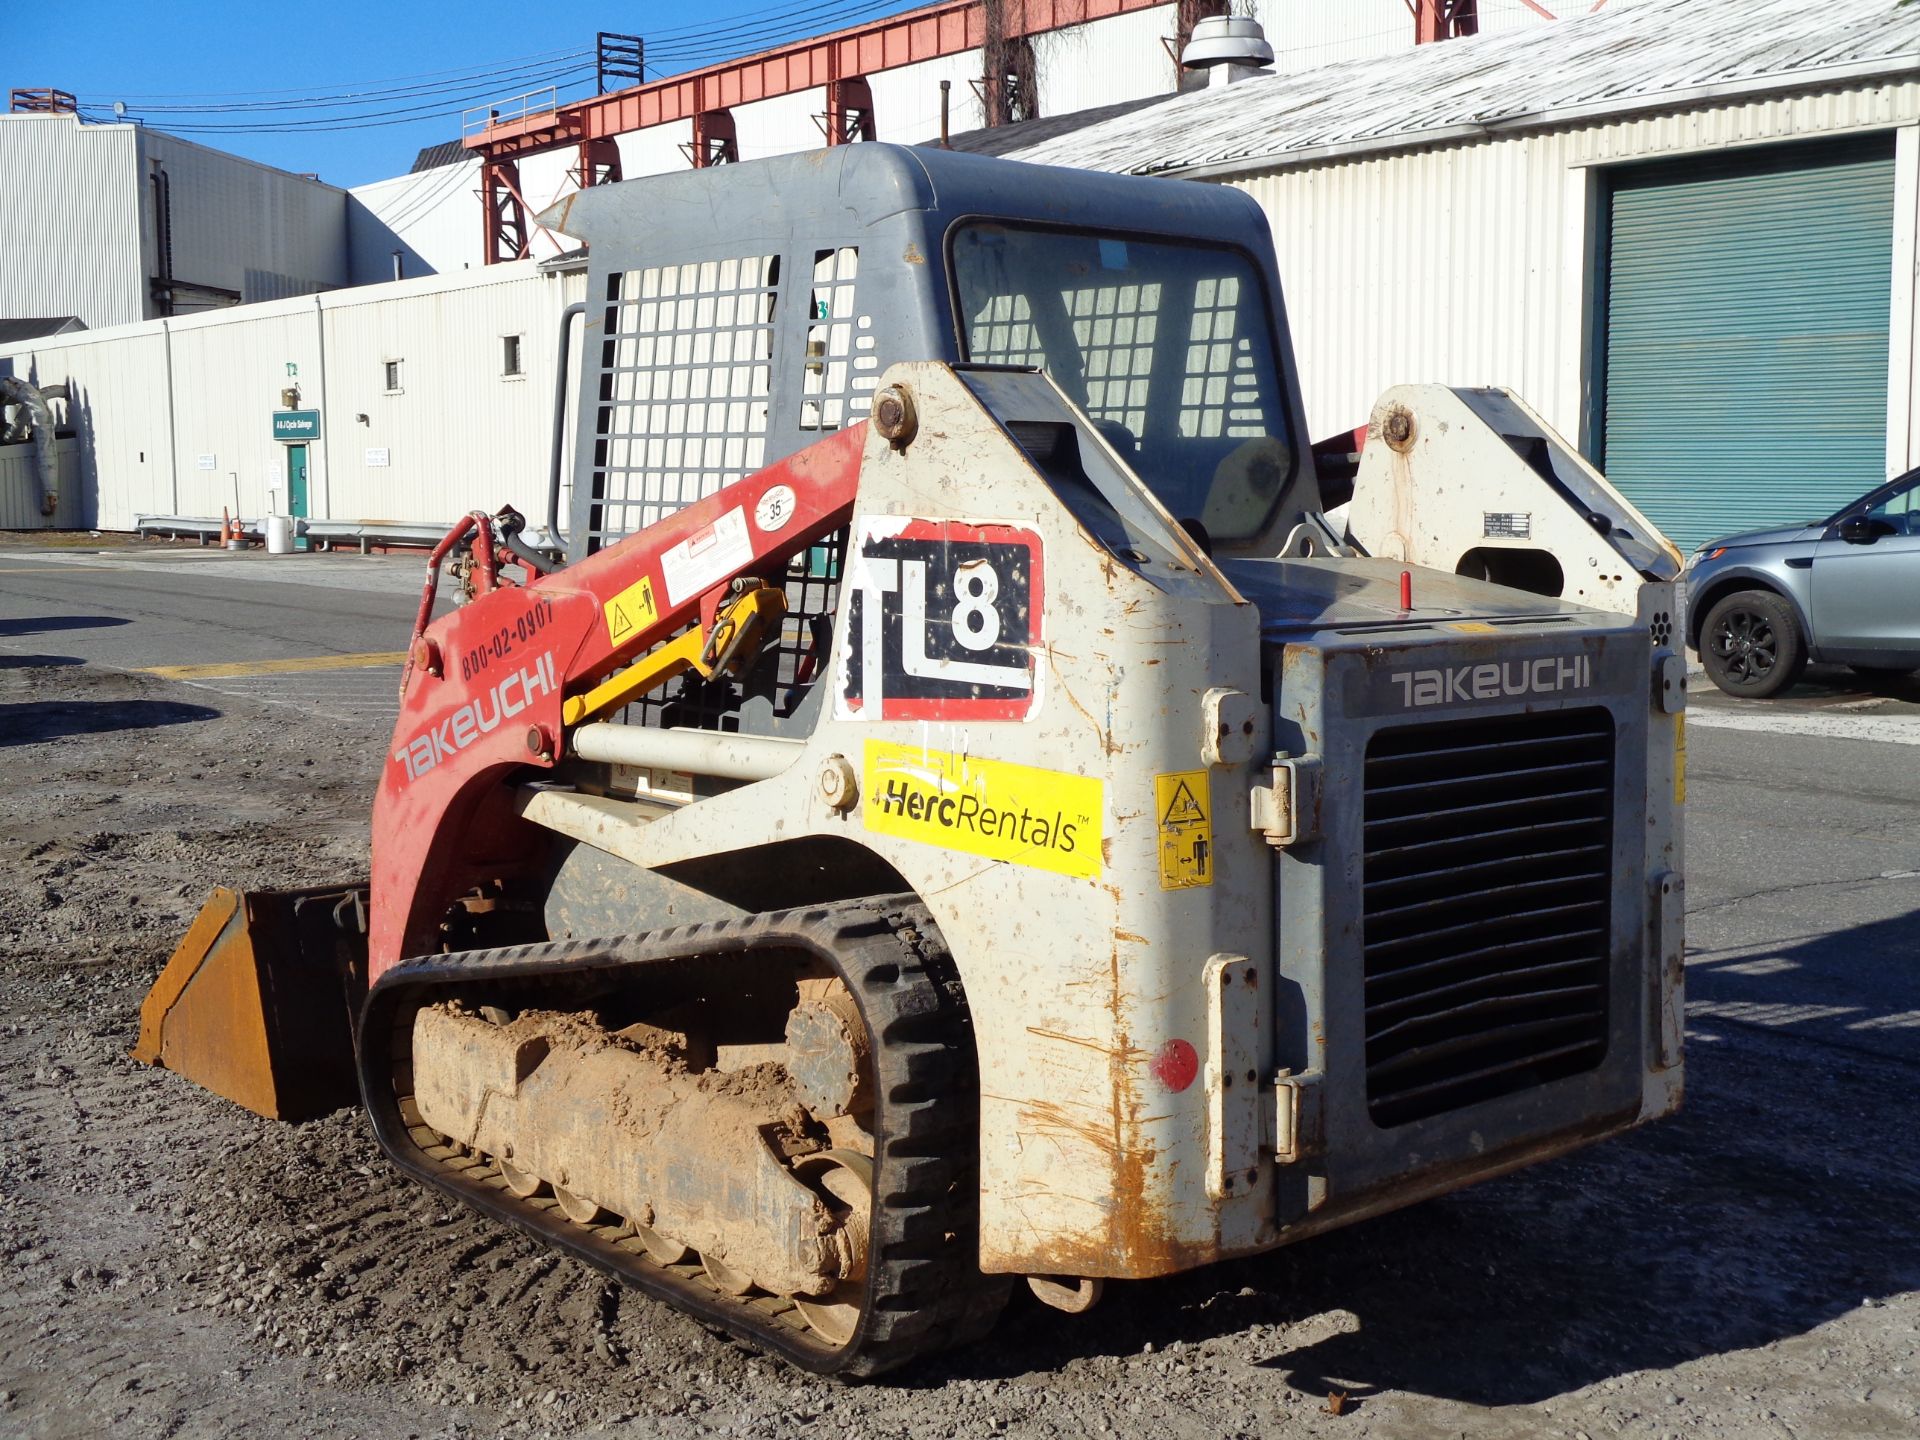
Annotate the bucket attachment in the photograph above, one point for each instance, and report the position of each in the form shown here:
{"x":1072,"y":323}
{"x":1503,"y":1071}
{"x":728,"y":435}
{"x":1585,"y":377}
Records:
{"x":257,"y":1002}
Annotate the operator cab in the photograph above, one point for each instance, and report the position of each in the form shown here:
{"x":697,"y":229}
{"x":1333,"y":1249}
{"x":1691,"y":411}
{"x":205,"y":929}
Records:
{"x":745,"y":310}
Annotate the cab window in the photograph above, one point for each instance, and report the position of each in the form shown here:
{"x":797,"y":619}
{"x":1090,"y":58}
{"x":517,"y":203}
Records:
{"x":1167,"y":347}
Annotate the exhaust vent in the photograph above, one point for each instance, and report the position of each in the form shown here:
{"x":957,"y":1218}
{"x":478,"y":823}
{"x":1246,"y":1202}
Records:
{"x":1227,"y":48}
{"x":1486,"y":908}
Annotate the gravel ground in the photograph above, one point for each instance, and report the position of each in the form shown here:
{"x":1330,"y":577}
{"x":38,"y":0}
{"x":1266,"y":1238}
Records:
{"x":178,"y":1267}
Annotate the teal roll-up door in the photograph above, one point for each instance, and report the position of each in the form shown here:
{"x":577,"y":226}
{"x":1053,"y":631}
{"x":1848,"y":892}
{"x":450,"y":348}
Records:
{"x":1747,"y":305}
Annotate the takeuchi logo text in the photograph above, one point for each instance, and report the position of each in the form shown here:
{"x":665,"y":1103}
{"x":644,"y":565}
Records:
{"x":1492,"y":680}
{"x":479,"y":716}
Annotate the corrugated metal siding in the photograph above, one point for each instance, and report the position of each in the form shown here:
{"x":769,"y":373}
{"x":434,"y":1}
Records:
{"x":247,"y":227}
{"x":1468,"y":264}
{"x":1748,"y":308}
{"x":1444,"y":266}
{"x":70,"y":227}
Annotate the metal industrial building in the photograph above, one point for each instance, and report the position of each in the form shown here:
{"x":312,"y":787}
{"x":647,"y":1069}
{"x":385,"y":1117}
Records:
{"x":1682,"y":229}
{"x":149,"y":224}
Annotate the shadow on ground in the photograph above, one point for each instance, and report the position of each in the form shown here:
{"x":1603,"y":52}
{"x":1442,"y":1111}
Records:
{"x":35,"y":721}
{"x":1755,"y":1215}
{"x":15,"y":626}
{"x":35,"y":662}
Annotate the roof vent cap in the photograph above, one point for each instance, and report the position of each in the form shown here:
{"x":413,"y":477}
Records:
{"x":1227,"y":40}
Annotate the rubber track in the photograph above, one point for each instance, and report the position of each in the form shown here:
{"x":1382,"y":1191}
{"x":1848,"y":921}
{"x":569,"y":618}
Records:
{"x":925,"y":1292}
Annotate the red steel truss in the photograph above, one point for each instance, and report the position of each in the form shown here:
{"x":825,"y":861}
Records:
{"x":839,"y":63}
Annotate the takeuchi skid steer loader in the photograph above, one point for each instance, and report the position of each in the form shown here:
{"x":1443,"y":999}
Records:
{"x":960,"y":812}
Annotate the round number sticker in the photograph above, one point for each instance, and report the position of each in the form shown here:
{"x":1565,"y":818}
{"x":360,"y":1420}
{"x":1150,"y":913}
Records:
{"x":775,"y":509}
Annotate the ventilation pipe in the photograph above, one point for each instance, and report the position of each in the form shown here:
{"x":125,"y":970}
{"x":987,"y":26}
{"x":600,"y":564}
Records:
{"x":35,"y":417}
{"x":1228,"y":48}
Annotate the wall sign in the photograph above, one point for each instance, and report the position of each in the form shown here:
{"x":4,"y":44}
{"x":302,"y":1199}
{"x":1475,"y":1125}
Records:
{"x":378,"y":459}
{"x":943,"y":621}
{"x":208,"y":462}
{"x":296,"y":425}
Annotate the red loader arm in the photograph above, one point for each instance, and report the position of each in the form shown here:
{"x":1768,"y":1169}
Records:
{"x":485,"y":690}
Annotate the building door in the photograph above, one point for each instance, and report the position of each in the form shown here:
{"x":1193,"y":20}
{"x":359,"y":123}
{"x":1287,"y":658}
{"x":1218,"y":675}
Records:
{"x":297,"y":490}
{"x":1747,"y":301}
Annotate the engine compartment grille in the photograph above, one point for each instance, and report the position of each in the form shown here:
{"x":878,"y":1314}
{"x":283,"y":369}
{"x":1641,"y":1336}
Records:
{"x":1486,"y":908}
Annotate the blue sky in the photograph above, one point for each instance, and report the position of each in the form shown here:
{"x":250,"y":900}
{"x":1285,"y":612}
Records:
{"x":273,"y":82}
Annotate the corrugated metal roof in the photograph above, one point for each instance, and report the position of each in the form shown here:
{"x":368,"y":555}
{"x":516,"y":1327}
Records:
{"x":1633,"y":55}
{"x":432,"y":157}
{"x":13,"y":331}
{"x":1024,"y":134}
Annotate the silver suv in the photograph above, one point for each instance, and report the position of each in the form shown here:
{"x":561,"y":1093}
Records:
{"x":1845,"y":590}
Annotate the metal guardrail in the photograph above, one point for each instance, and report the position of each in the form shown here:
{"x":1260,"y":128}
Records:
{"x":532,"y":104}
{"x":325,"y":534}
{"x":175,"y":527}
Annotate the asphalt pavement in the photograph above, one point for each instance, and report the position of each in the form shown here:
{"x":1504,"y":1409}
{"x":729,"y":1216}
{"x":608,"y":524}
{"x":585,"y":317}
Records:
{"x":322,"y":634}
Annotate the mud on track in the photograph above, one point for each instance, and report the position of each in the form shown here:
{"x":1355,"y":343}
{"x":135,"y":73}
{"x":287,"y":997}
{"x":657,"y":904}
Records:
{"x":178,"y":1267}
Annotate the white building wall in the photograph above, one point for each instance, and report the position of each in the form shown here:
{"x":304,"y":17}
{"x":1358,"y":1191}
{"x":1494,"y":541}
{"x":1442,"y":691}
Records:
{"x":1125,"y":57}
{"x":432,"y":218}
{"x":906,"y":101}
{"x":228,"y":373}
{"x":70,"y":226}
{"x":1474,"y":264}
{"x":245,"y":227}
{"x":458,"y":434}
{"x":654,"y":151}
{"x":117,"y":405}
{"x":782,"y":125}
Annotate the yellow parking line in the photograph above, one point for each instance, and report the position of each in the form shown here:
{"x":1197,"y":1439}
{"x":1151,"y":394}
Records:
{"x":219,"y":671}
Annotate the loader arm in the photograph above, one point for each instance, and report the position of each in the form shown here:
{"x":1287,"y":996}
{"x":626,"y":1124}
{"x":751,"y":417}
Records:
{"x":488,"y":685}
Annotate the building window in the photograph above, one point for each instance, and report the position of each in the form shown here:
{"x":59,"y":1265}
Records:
{"x":510,"y":357}
{"x":393,"y":377}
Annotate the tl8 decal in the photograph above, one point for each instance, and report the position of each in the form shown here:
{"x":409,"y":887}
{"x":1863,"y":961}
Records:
{"x":943,"y":621}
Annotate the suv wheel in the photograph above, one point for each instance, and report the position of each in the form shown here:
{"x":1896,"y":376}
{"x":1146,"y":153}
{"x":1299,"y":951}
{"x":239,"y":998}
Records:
{"x":1751,"y":644}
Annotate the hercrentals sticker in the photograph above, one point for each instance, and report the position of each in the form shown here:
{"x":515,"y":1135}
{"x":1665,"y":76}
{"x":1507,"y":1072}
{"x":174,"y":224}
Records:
{"x":1017,"y":813}
{"x":479,"y":716}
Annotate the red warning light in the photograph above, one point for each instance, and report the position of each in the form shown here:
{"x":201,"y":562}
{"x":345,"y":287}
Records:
{"x":1175,"y":1065}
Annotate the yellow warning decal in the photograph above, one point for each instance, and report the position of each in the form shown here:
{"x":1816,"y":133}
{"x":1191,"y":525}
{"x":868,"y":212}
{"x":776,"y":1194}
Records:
{"x":1474,"y":627}
{"x":631,"y":611}
{"x":1026,"y":816}
{"x":1184,"y":804}
{"x":1680,"y":758}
